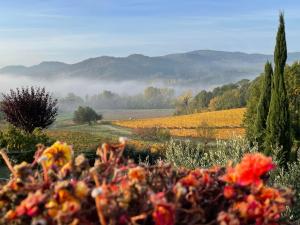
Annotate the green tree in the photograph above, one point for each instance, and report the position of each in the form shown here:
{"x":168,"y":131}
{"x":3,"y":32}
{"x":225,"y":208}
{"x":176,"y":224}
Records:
{"x":86,"y":115}
{"x":202,"y":99}
{"x":70,"y":102}
{"x":263,"y":106}
{"x":278,"y":121}
{"x":158,"y":97}
{"x":292,"y":78}
{"x":228,"y":100}
{"x":253,"y":94}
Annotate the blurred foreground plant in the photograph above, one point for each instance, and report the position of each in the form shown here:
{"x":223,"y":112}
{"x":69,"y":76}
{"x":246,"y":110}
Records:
{"x":117,"y":191}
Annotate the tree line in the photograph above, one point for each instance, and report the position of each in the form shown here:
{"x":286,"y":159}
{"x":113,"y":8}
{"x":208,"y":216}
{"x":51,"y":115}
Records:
{"x":229,"y":96}
{"x":272,"y":118}
{"x":151,"y":98}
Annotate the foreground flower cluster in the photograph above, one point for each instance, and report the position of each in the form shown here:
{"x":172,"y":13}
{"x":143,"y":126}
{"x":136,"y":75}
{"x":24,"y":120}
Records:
{"x":57,"y":188}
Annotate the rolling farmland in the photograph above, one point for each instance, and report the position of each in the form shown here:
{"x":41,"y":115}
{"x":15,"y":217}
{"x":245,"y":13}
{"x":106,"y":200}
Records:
{"x":221,"y":124}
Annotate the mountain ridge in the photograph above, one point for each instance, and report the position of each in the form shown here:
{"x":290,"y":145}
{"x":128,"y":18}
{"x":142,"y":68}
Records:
{"x":201,"y":66}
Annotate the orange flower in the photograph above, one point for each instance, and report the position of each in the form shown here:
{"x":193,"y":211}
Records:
{"x":57,"y":155}
{"x":14,"y":185}
{"x":230,"y":176}
{"x":229,"y":192}
{"x":10,"y":215}
{"x":189,"y":180}
{"x":137,"y":174}
{"x":269,"y":193}
{"x":250,"y":208}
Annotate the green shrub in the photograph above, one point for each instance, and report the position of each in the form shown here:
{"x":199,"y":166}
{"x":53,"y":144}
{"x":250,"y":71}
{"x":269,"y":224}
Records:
{"x":184,"y":154}
{"x":190,"y":155}
{"x":231,"y":150}
{"x":153,"y":134}
{"x":20,"y":145}
{"x":86,"y":115}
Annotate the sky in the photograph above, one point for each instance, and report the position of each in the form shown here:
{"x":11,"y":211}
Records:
{"x":32,"y":31}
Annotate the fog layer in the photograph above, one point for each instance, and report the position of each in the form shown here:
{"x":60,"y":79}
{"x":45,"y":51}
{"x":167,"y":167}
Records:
{"x":82,"y":87}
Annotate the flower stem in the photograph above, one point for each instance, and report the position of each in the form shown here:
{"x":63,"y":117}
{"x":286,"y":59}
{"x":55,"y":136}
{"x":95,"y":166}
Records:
{"x":99,"y":209}
{"x":7,"y":162}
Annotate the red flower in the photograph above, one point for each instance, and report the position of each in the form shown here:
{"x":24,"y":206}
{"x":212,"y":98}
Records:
{"x":29,"y":206}
{"x":252,"y":167}
{"x":250,"y":170}
{"x":163,"y":214}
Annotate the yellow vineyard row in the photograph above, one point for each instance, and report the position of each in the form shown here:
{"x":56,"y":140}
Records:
{"x":221,"y":134}
{"x":229,"y":120}
{"x":223,"y":118}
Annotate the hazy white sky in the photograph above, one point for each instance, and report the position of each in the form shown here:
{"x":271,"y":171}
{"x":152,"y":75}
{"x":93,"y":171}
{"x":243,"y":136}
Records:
{"x":32,"y":31}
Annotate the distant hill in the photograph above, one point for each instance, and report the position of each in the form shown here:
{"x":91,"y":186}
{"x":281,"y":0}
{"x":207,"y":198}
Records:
{"x":204,"y":66}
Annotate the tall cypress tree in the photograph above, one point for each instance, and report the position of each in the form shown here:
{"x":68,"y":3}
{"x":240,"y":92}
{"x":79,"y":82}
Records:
{"x":278,"y":121}
{"x":263,"y":107}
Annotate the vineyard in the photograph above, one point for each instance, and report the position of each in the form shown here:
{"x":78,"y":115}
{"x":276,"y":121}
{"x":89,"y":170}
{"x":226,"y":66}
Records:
{"x":222,"y":124}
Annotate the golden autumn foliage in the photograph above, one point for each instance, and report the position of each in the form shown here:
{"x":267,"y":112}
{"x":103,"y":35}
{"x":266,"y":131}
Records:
{"x":225,"y":123}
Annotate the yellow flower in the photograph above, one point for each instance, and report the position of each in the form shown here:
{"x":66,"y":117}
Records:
{"x":65,"y":204}
{"x":81,"y":190}
{"x":53,"y":208}
{"x":58,"y":154}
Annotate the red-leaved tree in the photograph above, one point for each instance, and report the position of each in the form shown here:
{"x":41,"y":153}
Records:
{"x":29,"y":108}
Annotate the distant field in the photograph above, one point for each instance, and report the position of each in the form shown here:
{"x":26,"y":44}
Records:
{"x":126,"y":114}
{"x":224,"y":124}
{"x":65,"y":119}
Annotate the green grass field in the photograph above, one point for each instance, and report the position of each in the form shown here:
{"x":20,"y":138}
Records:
{"x":65,"y":119}
{"x":85,"y":137}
